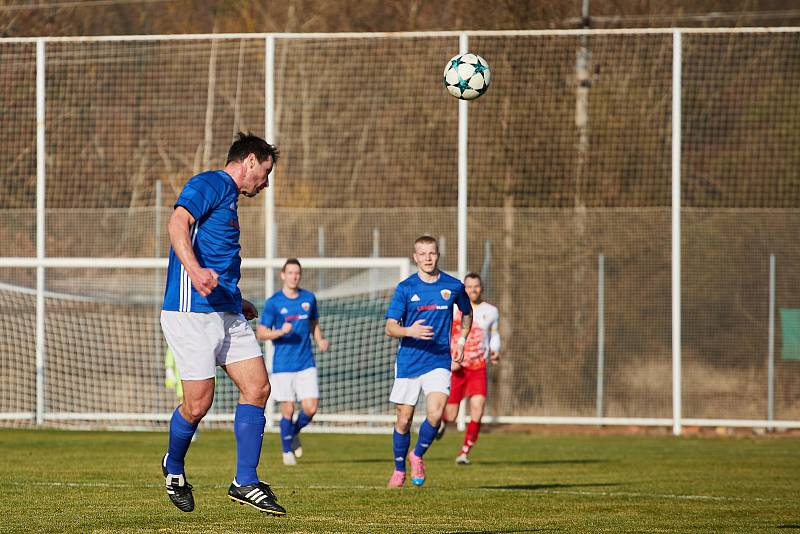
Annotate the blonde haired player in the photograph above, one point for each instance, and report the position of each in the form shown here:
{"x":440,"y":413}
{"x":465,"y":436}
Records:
{"x":420,"y":315}
{"x":469,"y":377}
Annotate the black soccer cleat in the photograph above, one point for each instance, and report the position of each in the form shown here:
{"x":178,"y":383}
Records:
{"x":178,"y":489}
{"x":258,"y":495}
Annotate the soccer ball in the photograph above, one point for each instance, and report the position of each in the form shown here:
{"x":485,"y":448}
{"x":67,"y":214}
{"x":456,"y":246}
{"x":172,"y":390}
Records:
{"x":467,"y":76}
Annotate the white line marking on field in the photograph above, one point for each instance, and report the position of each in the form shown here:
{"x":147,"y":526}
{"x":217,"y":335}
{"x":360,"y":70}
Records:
{"x":541,"y":491}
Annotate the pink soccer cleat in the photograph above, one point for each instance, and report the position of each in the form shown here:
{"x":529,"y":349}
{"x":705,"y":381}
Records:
{"x":417,"y":469}
{"x":397,"y":480}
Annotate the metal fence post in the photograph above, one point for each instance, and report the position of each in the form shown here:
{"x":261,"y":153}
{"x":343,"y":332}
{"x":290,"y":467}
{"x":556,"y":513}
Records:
{"x":601,"y":331}
{"x":40,"y":229}
{"x":771,"y":344}
{"x":676,"y":232}
{"x":270,"y":234}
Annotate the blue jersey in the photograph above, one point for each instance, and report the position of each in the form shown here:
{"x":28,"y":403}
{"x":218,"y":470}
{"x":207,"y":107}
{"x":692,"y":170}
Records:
{"x":211,"y":198}
{"x":293,"y":350}
{"x":433,"y":302}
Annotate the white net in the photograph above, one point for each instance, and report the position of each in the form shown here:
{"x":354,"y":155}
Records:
{"x":741,"y":202}
{"x":106,"y":357}
{"x":18,"y":348}
{"x":593,"y":178}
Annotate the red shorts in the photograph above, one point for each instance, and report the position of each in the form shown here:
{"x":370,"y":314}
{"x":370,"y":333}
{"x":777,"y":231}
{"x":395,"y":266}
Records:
{"x":466,"y":383}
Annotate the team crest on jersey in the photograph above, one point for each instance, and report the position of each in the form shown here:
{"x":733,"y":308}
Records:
{"x":284,"y":311}
{"x":415,"y":298}
{"x":445,"y":294}
{"x":306,"y":306}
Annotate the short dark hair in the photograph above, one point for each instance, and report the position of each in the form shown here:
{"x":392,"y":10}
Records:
{"x":245,"y":144}
{"x":291,"y":261}
{"x":476,"y":276}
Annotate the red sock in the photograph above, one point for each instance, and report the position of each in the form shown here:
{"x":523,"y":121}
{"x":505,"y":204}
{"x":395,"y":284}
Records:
{"x":470,"y":436}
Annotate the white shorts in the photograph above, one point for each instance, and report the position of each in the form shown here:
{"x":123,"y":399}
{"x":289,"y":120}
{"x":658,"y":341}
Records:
{"x":201,"y":341}
{"x":406,"y":390}
{"x":295,"y":386}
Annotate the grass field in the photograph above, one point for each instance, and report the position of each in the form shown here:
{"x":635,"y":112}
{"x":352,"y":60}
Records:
{"x":62,"y":481}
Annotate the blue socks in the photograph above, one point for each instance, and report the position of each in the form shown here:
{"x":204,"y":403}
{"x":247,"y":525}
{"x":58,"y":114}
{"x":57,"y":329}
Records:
{"x":289,"y":430}
{"x":426,"y":434}
{"x":400,"y":445}
{"x":287,"y":434}
{"x":248,"y":427}
{"x":302,"y":420}
{"x":180,"y":437}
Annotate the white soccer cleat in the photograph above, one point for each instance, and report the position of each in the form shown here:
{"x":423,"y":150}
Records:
{"x":462,"y":459}
{"x":289,"y":458}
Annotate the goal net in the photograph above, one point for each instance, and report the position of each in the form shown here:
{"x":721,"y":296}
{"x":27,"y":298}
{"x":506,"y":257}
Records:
{"x":106,"y":359}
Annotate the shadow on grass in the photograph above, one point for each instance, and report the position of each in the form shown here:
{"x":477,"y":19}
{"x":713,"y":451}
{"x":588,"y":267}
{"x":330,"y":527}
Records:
{"x":351,"y":461}
{"x":789,"y":526}
{"x":548,"y":486}
{"x":538,"y":462}
{"x":477,"y":463}
{"x":502,"y":531}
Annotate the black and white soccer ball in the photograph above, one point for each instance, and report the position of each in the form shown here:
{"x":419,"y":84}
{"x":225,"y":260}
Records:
{"x":467,"y":76}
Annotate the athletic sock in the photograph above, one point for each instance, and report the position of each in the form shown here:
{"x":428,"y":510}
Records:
{"x":286,"y":434}
{"x":427,"y":432}
{"x":400,"y":446}
{"x":470,"y":436}
{"x":248,"y":427}
{"x":302,"y":420}
{"x":180,"y":437}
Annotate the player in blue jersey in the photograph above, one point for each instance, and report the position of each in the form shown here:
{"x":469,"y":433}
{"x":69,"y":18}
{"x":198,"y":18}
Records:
{"x":205,"y":320}
{"x":420,"y":314}
{"x":289,"y":319}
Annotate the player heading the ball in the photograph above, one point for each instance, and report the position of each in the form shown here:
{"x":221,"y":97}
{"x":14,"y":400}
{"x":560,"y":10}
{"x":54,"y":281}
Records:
{"x":205,"y":320}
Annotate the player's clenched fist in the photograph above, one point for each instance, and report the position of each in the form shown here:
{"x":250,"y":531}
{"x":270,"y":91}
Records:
{"x":249,"y":310}
{"x":204,"y":281}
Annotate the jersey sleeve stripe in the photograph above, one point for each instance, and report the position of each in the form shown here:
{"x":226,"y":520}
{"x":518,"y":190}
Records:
{"x":182,"y":288}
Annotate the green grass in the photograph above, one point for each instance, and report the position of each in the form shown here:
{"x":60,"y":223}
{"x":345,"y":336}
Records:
{"x":62,"y":481}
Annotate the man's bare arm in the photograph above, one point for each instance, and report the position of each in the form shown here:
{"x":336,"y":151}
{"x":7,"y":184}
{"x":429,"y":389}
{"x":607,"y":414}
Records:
{"x":316,"y":331}
{"x":466,"y":326}
{"x":417,"y":330}
{"x":268,"y":334}
{"x":203,"y":280}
